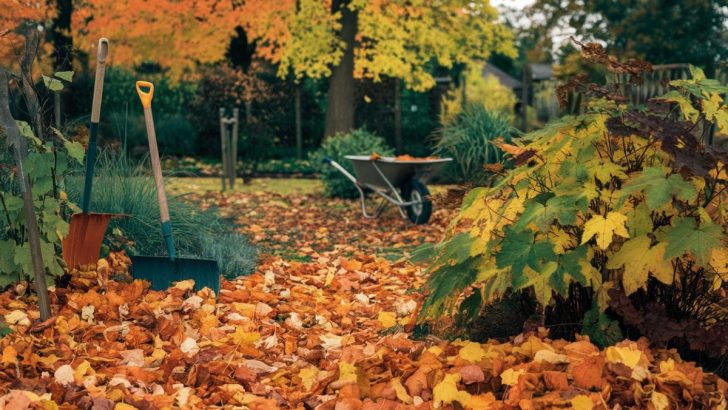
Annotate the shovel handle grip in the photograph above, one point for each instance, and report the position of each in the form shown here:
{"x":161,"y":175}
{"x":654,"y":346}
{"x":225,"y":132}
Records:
{"x":101,"y":53}
{"x":145,"y":96}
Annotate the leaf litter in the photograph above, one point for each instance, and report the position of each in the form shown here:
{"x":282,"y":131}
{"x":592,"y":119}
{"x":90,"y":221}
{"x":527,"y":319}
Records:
{"x":333,"y":333}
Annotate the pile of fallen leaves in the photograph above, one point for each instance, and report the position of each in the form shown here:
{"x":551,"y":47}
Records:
{"x":329,"y":334}
{"x":313,"y":223}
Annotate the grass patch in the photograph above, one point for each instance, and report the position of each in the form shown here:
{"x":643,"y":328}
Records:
{"x":282,"y":186}
{"x":125,"y":187}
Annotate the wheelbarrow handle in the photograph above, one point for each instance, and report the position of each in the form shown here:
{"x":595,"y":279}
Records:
{"x":146,"y":99}
{"x":341,"y":169}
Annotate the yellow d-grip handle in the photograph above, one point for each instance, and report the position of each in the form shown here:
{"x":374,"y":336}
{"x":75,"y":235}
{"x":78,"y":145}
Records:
{"x":147,"y":96}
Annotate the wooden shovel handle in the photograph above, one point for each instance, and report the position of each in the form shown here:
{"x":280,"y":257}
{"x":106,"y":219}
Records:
{"x":101,"y":54}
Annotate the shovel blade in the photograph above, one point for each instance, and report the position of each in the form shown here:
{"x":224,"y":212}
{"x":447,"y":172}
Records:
{"x":82,"y":245}
{"x":162,"y":272}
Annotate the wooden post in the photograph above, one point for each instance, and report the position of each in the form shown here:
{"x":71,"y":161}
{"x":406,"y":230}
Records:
{"x":527,"y":78}
{"x":398,"y":143}
{"x":223,"y":148}
{"x":299,"y":128}
{"x":234,"y":145}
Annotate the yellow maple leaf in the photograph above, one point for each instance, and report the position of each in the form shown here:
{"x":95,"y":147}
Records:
{"x":347,"y":372}
{"x":711,"y":106}
{"x":719,"y":262}
{"x":660,"y":401}
{"x":581,"y":402}
{"x":308,"y":376}
{"x":639,"y":259}
{"x":510,"y":376}
{"x":242,"y":337}
{"x":387,"y":319}
{"x":605,"y":228}
{"x":472,"y":352}
{"x":447,"y":391}
{"x":627,"y":355}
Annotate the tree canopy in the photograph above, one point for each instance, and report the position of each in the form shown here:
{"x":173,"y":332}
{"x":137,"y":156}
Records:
{"x":176,"y":35}
{"x":659,"y":31}
{"x":394,"y":38}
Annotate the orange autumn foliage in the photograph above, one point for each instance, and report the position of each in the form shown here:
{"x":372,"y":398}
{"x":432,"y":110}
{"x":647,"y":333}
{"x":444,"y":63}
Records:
{"x":14,"y":12}
{"x":175,"y":34}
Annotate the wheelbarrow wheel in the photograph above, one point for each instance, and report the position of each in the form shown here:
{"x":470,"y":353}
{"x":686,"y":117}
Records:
{"x":416,"y":191}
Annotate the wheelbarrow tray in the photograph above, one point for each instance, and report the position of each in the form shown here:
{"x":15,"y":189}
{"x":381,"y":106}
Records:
{"x":162,"y":272}
{"x":381,"y":173}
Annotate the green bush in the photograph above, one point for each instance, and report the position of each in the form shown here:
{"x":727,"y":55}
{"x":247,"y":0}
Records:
{"x":122,"y":186}
{"x":611,"y":220}
{"x":358,"y":142}
{"x":468,"y":140}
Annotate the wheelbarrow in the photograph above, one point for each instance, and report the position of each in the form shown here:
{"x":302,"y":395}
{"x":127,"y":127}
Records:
{"x":397,"y":182}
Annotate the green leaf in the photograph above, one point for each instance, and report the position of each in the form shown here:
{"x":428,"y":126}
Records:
{"x":558,"y":208}
{"x":541,"y":281}
{"x":686,"y":236}
{"x":519,"y":250}
{"x":7,"y":258}
{"x":12,"y":203}
{"x":639,"y":220}
{"x":696,"y":73}
{"x":64,"y":75}
{"x":27,"y":132}
{"x":52,"y":84}
{"x":659,"y":188}
{"x":691,"y":113}
{"x":5,"y":330}
{"x":601,"y":330}
{"x":75,"y":149}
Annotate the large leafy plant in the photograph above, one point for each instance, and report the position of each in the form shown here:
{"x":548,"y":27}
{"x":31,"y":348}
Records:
{"x":625,"y":202}
{"x":47,"y":165}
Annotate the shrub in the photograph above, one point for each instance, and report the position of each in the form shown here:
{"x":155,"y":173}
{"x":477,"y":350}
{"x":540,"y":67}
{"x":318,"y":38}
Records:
{"x":122,"y":186}
{"x":617,"y":208}
{"x":488,"y":92}
{"x":468,"y":139}
{"x":358,"y":142}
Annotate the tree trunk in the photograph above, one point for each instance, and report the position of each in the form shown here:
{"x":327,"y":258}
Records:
{"x":398,"y":143}
{"x":341,"y":105}
{"x":62,"y":41}
{"x":299,"y":130}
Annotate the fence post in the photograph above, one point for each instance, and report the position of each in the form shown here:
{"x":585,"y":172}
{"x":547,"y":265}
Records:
{"x":526,"y":85}
{"x":223,"y":148}
{"x":234,"y":150}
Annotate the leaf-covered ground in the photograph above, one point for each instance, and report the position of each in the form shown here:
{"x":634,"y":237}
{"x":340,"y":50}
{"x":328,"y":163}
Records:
{"x":324,"y":323}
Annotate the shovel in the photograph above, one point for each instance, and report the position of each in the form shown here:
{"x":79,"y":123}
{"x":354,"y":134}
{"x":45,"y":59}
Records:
{"x":161,"y":272}
{"x":86,"y":232}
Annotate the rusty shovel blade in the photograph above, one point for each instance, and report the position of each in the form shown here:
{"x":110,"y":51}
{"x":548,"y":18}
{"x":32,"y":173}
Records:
{"x":82,"y":245}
